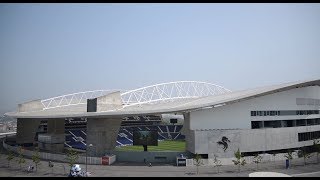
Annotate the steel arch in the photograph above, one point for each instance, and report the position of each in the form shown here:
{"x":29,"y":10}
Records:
{"x":73,"y":99}
{"x":170,"y":91}
{"x":150,"y":94}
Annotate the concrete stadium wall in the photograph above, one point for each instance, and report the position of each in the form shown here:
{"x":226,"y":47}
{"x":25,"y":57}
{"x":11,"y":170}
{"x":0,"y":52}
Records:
{"x":238,"y":115}
{"x":26,"y":130}
{"x":34,"y":105}
{"x":102,"y":134}
{"x":160,"y":157}
{"x":234,"y":121}
{"x":108,"y":102}
{"x":250,"y":140}
{"x":249,"y":159}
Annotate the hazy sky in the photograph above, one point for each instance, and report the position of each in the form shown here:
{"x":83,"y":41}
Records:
{"x":53,"y":49}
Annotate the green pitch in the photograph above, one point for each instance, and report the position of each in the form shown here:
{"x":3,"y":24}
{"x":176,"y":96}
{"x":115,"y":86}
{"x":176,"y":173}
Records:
{"x":166,"y":145}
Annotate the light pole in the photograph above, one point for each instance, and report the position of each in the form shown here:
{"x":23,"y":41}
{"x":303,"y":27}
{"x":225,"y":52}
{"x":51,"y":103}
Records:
{"x":90,"y":145}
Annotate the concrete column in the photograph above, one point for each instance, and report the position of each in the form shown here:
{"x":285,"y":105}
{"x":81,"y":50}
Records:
{"x":26,"y":130}
{"x":102,"y":134}
{"x":27,"y":127}
{"x":189,"y":134}
{"x":55,"y":137}
{"x":56,"y":126}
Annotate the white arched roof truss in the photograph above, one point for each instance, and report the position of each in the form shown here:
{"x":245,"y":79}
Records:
{"x":171,"y":91}
{"x":163,"y":92}
{"x":73,"y":99}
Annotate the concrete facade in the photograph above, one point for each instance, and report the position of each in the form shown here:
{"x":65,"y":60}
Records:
{"x":208,"y":126}
{"x":34,"y":105}
{"x":102,"y":134}
{"x":26,"y":130}
{"x":189,"y":134}
{"x":54,"y":139}
{"x":108,"y":102}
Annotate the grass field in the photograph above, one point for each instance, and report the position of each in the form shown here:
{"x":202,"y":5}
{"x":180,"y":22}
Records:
{"x":166,"y":145}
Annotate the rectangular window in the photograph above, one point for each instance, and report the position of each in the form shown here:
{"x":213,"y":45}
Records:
{"x":284,"y":123}
{"x":310,"y":122}
{"x":301,"y":122}
{"x":272,"y":124}
{"x":306,"y":136}
{"x":289,"y":123}
{"x":256,"y":124}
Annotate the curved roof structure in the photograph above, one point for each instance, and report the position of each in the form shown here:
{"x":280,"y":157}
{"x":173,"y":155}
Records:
{"x":146,"y":95}
{"x":167,"y":105}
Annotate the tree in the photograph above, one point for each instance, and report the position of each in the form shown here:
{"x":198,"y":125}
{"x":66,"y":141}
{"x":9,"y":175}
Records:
{"x":217,"y":162}
{"x":197,"y":161}
{"x":305,"y":154}
{"x":72,"y":157}
{"x":36,"y":158}
{"x":10,"y":157}
{"x":21,"y":159}
{"x":240,"y":161}
{"x":316,"y":147}
{"x":257,"y":159}
{"x":289,"y":156}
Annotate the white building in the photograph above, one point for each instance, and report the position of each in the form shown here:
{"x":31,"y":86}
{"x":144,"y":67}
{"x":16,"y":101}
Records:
{"x":258,"y":120}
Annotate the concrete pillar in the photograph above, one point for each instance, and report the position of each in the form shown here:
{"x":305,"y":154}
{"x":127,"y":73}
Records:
{"x":56,"y":126}
{"x":27,"y":127}
{"x":26,"y":130}
{"x":102,"y":134}
{"x":189,"y":134}
{"x":54,"y":139}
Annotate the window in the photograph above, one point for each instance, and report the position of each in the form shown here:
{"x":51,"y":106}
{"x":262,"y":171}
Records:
{"x":289,"y":123}
{"x":310,"y":122}
{"x":272,"y":124}
{"x":301,"y":122}
{"x":256,"y":124}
